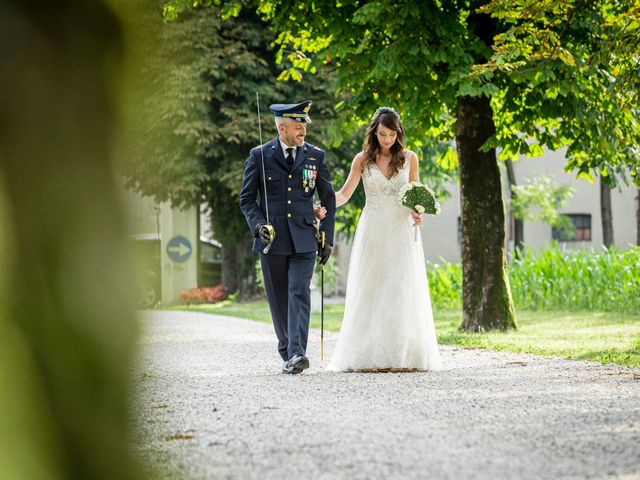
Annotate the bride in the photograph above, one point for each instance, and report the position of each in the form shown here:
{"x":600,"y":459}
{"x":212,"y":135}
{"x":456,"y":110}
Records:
{"x":388,"y":322}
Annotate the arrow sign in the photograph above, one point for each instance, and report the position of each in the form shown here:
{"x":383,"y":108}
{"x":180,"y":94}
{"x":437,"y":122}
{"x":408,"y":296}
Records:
{"x":179,"y":249}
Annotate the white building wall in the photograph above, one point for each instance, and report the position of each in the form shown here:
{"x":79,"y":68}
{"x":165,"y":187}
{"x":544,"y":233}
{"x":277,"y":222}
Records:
{"x":585,"y":200}
{"x":625,"y":225}
{"x":440,"y":232}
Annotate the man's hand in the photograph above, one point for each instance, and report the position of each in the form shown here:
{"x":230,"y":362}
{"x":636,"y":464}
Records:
{"x":264,"y":232}
{"x":324,"y":253}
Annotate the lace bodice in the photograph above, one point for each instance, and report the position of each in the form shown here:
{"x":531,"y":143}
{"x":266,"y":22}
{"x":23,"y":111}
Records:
{"x":377,"y":185}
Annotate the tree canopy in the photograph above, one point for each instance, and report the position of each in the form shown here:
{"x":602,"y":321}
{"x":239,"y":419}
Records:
{"x":563,"y":73}
{"x":198,"y":119}
{"x":576,"y":77}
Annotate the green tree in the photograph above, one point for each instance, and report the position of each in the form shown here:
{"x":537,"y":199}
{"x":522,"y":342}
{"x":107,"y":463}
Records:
{"x":606,"y":213}
{"x":599,"y":41}
{"x":573,"y":63}
{"x":202,"y":78}
{"x":200,"y":81}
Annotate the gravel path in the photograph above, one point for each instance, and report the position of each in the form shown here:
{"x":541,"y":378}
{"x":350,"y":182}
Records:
{"x":213,"y":404}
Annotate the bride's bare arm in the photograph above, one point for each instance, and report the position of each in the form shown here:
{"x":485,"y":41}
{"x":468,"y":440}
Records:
{"x":344,"y":194}
{"x":414,"y":174}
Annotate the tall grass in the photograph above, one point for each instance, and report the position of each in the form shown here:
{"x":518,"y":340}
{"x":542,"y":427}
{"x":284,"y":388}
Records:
{"x":554,"y":279}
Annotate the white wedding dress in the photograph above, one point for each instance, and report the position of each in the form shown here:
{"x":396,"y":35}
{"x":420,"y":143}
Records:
{"x":388,"y":321}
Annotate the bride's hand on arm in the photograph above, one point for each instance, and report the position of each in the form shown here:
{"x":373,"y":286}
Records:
{"x":344,"y":194}
{"x":320,"y":212}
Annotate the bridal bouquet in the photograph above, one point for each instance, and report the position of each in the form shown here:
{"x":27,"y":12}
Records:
{"x":419,"y":198}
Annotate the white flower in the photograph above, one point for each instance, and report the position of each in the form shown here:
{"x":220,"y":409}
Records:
{"x":419,"y":209}
{"x":403,"y":191}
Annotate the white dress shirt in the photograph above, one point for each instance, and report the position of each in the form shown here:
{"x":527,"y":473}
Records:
{"x":284,"y":149}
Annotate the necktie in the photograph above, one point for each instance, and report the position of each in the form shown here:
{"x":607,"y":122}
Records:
{"x":290,"y":156}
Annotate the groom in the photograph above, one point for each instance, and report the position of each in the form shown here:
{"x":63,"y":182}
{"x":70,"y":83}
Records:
{"x":285,"y":173}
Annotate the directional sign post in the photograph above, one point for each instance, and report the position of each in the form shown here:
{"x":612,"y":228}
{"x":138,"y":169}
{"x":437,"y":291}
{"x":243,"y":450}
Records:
{"x":179,"y":249}
{"x":179,"y":231}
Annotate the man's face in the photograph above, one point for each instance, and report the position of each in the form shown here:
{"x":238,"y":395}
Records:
{"x":292,"y":132}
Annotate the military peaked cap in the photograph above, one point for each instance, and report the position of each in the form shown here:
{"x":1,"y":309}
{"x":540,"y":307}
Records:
{"x":296,"y":111}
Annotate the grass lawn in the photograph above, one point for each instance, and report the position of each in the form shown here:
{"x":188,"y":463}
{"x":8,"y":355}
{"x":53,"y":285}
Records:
{"x":602,"y":337}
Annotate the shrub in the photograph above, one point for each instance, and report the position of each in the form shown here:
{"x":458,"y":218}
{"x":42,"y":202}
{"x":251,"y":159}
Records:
{"x":445,"y":285}
{"x":204,"y":295}
{"x":599,"y":280}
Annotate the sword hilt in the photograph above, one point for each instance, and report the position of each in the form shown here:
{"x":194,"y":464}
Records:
{"x":272,"y":237}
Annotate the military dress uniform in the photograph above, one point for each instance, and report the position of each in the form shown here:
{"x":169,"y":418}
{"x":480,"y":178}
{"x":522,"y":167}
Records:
{"x":288,"y":266}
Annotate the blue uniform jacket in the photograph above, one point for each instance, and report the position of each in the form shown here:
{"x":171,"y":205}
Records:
{"x":290,"y":205}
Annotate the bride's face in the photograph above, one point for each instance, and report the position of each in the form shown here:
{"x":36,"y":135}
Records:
{"x":386,"y":137}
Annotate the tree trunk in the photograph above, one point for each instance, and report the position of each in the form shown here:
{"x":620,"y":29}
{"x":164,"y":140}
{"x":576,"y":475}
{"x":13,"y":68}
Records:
{"x":229,"y":261}
{"x":246,"y":271}
{"x":486,"y":295}
{"x":518,"y":223}
{"x":238,"y":269}
{"x":605,"y":214}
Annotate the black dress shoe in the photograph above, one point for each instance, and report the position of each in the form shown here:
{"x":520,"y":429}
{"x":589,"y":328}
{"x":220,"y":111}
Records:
{"x":300,"y":362}
{"x":287,"y":368}
{"x":295,"y":365}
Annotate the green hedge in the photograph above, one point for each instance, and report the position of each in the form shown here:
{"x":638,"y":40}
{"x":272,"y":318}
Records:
{"x":553,"y":279}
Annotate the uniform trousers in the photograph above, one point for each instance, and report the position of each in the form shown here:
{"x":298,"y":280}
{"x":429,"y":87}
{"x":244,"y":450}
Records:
{"x":286,"y":280}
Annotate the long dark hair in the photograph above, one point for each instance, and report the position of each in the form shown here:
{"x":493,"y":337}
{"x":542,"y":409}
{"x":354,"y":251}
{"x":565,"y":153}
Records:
{"x":390,"y":119}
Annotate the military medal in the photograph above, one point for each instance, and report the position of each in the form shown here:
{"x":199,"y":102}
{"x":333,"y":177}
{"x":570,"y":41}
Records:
{"x":309,"y":177}
{"x":312,"y":177}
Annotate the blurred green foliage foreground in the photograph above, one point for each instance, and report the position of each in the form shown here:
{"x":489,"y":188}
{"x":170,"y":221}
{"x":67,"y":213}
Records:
{"x":67,"y":325}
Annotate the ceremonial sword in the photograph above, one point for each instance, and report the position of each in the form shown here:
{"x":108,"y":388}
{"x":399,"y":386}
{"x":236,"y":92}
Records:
{"x":320,"y":237}
{"x":268,"y":226}
{"x":322,"y":302}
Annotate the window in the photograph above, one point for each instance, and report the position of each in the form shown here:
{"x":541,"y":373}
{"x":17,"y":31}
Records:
{"x":582,"y":225}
